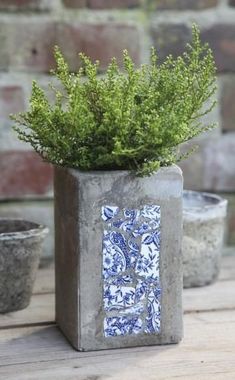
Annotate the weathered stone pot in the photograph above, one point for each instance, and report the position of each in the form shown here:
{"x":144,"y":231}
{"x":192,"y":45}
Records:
{"x":20,"y":248}
{"x":118,"y":257}
{"x":203,"y":231}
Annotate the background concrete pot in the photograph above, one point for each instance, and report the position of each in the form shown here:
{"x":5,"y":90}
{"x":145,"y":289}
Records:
{"x":20,"y":248}
{"x":203,"y":231}
{"x":118,"y":257}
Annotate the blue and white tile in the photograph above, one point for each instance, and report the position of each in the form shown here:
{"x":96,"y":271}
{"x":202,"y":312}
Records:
{"x":125,"y":225}
{"x":131,"y":249}
{"x":151,"y":212}
{"x":120,"y":280}
{"x":154,"y":224}
{"x":115,"y":254}
{"x":134,"y":250}
{"x":153,"y":319}
{"x":141,"y":290}
{"x":148,"y":262}
{"x":137,"y":309}
{"x":109,"y":212}
{"x":123,"y":325}
{"x":142,"y":229}
{"x":118,"y":297}
{"x":129,"y":222}
{"x":132,"y":214}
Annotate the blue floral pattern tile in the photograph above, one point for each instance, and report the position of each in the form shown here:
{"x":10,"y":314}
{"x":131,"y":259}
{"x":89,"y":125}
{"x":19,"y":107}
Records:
{"x":118,"y":297}
{"x":154,"y":312}
{"x":115,"y":254}
{"x":148,"y":261}
{"x":114,"y":326}
{"x":131,"y":253}
{"x":141,"y":289}
{"x":109,"y":212}
{"x":151,"y":212}
{"x":136,"y":309}
{"x":120,"y":280}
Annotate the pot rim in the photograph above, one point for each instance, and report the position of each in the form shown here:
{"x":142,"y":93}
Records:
{"x":116,"y":171}
{"x":218,"y":201}
{"x":37,"y":230}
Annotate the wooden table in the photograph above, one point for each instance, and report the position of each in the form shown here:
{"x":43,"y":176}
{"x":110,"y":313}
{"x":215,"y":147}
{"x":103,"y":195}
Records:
{"x":32,"y":347}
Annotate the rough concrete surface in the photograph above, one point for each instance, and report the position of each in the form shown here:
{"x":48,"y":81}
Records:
{"x":36,"y":211}
{"x":203,"y":232}
{"x":20,"y":249}
{"x":78,"y":246}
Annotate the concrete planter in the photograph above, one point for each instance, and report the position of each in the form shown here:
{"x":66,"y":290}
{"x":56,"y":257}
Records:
{"x":118,"y":260}
{"x":20,"y":248}
{"x":203,"y":224}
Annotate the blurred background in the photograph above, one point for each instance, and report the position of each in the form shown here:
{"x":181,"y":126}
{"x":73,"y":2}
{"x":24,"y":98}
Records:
{"x":29,"y":29}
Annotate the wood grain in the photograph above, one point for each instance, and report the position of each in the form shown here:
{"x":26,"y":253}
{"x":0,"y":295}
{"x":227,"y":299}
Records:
{"x":207,"y":351}
{"x":33,"y":348}
{"x":219,"y":296}
{"x":40,"y":311}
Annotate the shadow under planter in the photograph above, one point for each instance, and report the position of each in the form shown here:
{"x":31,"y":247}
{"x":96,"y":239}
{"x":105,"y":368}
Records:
{"x":203,"y":232}
{"x":20,"y":249}
{"x":118,"y":257}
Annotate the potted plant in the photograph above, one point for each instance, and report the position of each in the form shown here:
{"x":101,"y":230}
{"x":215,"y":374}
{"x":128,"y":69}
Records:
{"x":114,"y":141}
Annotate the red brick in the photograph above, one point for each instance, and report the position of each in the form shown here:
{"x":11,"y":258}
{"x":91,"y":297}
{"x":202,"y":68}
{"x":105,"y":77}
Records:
{"x":8,"y":137}
{"x":227,"y":103}
{"x":183,"y":4}
{"x":31,"y":45}
{"x":99,"y":41}
{"x":221,"y":39}
{"x":11,"y":100}
{"x":23,"y":173}
{"x":108,"y":4}
{"x":75,"y":3}
{"x":170,"y":39}
{"x":19,"y":4}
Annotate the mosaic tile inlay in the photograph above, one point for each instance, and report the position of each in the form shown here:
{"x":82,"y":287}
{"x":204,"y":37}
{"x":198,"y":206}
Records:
{"x":131,"y":291}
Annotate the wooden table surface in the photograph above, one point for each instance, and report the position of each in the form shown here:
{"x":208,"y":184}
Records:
{"x":32,"y":347}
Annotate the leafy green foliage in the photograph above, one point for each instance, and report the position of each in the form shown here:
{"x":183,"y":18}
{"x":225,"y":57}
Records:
{"x":133,"y":120}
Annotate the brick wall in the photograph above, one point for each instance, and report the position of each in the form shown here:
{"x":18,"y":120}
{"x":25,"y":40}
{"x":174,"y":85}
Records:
{"x":103,"y":28}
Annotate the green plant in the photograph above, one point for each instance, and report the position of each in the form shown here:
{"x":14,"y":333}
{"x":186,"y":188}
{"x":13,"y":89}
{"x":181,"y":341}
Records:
{"x":133,"y":120}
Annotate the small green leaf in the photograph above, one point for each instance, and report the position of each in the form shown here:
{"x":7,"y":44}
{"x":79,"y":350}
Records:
{"x":135,"y":119}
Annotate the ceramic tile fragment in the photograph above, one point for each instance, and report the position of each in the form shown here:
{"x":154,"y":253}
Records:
{"x":120,"y":280}
{"x":115,"y":254}
{"x":154,"y":312}
{"x":136,"y":309}
{"x":115,"y":326}
{"x":141,"y":290}
{"x":148,"y":261}
{"x":118,"y":297}
{"x":109,"y":212}
{"x":131,"y":253}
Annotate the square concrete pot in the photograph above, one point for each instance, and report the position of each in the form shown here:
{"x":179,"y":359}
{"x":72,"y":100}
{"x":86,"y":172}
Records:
{"x":118,"y":258}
